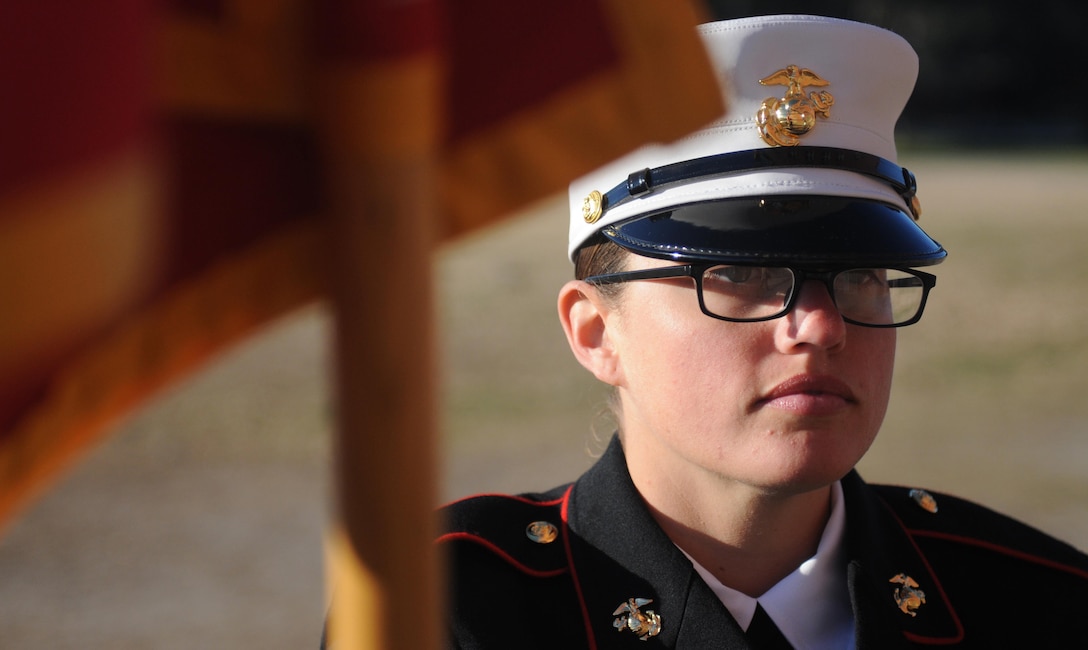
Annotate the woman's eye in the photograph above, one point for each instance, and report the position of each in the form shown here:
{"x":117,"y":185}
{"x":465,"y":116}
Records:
{"x":867,"y":278}
{"x":733,"y":274}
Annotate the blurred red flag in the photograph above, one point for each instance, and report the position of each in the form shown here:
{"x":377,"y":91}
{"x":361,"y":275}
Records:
{"x":168,"y":170}
{"x":175,"y":174}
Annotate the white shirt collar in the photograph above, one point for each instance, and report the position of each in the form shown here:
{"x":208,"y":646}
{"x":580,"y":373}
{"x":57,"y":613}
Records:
{"x":811,"y":606}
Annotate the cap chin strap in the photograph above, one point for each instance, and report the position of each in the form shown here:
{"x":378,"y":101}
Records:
{"x":647,"y":180}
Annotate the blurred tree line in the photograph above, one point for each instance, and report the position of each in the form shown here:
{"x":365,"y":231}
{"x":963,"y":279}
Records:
{"x":993,"y":74}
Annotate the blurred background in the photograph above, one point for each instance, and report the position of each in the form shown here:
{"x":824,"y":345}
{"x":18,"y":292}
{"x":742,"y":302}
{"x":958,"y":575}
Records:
{"x":199,"y":524}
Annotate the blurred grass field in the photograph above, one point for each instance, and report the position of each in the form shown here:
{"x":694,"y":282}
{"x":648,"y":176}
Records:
{"x":199,"y":524}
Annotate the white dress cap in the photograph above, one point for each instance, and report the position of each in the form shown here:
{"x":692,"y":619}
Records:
{"x":793,"y":86}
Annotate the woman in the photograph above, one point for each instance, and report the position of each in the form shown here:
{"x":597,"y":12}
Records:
{"x":741,"y":291}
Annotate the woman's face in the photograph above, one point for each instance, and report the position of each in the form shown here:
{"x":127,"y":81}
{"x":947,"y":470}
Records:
{"x":788,"y":405}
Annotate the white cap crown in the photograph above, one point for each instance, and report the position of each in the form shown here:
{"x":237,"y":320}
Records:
{"x":789,"y":82}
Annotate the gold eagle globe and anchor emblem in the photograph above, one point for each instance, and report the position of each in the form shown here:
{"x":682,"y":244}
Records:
{"x":782,"y":121}
{"x":908,"y":596}
{"x":630,"y":617}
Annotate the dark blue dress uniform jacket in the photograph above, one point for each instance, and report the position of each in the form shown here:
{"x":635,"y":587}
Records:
{"x":989,"y":581}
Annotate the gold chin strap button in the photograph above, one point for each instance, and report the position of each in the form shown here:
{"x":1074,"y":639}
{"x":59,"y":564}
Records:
{"x":924,"y":500}
{"x":908,"y":596}
{"x":592,"y":207}
{"x":542,"y":532}
{"x":916,"y":207}
{"x":629,"y":616}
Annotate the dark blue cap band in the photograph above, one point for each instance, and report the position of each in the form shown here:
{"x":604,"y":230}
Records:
{"x":647,"y":180}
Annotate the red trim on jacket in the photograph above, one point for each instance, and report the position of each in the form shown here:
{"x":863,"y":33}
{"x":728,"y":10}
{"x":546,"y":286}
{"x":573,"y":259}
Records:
{"x":468,"y":537}
{"x":591,"y":641}
{"x":1004,"y":550}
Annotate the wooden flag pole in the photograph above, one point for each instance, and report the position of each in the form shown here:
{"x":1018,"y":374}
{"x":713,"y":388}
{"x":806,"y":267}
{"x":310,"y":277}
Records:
{"x":385,"y":455}
{"x":383,"y":232}
{"x":386,"y":97}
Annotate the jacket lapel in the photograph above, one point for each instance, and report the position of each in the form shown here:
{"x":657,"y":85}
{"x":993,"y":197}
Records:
{"x":881,"y":557}
{"x":618,"y":552}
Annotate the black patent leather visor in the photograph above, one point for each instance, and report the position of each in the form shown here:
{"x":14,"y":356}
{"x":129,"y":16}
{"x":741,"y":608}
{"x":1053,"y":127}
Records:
{"x":808,"y":230}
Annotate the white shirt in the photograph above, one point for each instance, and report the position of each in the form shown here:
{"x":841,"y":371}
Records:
{"x":811,"y":606}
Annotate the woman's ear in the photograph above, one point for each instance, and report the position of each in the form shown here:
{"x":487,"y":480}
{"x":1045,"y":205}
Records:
{"x":584,"y":314}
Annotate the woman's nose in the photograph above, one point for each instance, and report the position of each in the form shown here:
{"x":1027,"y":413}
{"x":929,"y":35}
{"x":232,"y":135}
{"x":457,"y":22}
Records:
{"x":814,"y":319}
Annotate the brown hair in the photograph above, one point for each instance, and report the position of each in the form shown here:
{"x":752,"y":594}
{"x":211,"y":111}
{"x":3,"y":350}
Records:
{"x":599,"y":256}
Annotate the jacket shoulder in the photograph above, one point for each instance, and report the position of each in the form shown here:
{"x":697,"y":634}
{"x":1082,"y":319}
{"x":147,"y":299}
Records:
{"x":962,"y":523}
{"x":506,"y":559}
{"x":523,"y":531}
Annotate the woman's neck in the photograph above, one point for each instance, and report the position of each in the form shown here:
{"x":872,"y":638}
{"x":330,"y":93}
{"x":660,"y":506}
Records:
{"x":748,"y":537}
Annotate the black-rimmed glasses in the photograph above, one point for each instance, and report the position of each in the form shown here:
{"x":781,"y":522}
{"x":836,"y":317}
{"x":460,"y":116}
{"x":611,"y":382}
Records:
{"x":872,"y":297}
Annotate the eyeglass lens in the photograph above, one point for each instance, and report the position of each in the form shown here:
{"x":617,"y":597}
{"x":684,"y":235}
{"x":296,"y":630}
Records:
{"x":867,"y":296}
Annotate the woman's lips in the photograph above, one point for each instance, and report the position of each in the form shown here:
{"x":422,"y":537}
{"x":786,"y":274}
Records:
{"x":809,"y":395}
